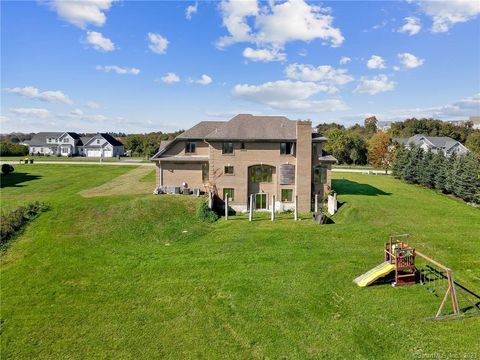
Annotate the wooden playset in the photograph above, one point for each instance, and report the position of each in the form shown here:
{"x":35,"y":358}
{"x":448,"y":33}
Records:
{"x":400,"y":259}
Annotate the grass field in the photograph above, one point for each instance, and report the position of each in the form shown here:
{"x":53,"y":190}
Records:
{"x":15,"y":159}
{"x":137,"y":276}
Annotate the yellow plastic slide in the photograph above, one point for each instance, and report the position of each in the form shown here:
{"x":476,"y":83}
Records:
{"x":377,"y":272}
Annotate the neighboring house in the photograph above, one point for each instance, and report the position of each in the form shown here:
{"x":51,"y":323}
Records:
{"x":384,"y":125}
{"x":258,"y":155}
{"x":71,"y":144}
{"x":434,"y":143}
{"x":102,"y":145}
{"x":475,"y":120}
{"x":55,"y":143}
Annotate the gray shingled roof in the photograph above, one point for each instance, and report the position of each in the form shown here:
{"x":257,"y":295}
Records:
{"x":249,"y":127}
{"x":164,"y":144}
{"x":328,"y":159}
{"x":109,"y":138}
{"x":185,"y":158}
{"x":201,"y":130}
{"x":40,"y":138}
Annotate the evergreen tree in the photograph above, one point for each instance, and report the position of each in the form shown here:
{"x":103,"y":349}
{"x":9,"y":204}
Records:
{"x":427,"y":171}
{"x":467,"y":181}
{"x":450,"y":172}
{"x":440,"y":166}
{"x":414,"y":165}
{"x":399,"y":162}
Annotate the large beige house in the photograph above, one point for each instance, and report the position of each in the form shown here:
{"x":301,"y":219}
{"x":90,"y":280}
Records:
{"x":258,"y":155}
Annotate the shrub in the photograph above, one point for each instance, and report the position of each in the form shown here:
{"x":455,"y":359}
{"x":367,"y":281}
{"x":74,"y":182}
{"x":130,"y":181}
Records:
{"x":7,"y":169}
{"x":9,"y":149}
{"x":205,"y":214}
{"x":13,"y":222}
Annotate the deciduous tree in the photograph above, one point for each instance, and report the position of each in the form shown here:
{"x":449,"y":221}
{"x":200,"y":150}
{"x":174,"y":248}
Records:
{"x":380,"y":150}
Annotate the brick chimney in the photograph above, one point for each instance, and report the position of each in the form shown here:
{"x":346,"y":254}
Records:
{"x":303,"y":168}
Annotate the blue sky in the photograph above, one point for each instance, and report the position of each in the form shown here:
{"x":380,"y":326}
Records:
{"x":131,"y":66}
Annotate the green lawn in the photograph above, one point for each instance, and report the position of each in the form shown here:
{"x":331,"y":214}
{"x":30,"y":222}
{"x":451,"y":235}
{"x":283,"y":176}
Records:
{"x":137,"y":276}
{"x":15,"y":159}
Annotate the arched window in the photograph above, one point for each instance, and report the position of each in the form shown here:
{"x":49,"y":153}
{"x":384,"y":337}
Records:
{"x":260,"y":173}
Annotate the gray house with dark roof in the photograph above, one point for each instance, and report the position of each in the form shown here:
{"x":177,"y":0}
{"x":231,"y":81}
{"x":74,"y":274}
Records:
{"x":267,"y":157}
{"x":434,"y":143}
{"x":72,"y":144}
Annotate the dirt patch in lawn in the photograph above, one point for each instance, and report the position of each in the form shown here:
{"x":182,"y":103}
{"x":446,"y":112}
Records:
{"x":130,"y":183}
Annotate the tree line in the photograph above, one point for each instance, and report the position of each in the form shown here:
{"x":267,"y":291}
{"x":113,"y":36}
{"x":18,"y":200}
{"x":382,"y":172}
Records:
{"x":361,"y":145}
{"x":146,"y":144}
{"x":458,"y":175}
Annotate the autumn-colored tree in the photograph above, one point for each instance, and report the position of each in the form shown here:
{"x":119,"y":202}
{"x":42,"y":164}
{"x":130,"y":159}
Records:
{"x":380,"y":150}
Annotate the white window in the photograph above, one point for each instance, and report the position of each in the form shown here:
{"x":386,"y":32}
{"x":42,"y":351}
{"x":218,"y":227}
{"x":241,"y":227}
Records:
{"x":64,"y":150}
{"x":98,"y":141}
{"x":65,"y":140}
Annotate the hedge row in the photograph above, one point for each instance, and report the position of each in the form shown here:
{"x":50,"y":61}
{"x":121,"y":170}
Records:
{"x":457,"y":174}
{"x":9,"y":149}
{"x":13,"y":222}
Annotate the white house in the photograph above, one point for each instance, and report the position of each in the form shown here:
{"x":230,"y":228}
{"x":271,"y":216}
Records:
{"x":72,"y":144}
{"x":103,"y":145}
{"x":435,"y":144}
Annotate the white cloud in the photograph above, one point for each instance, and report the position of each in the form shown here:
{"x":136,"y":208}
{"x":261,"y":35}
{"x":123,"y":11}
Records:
{"x":410,"y":61}
{"x":396,"y":68}
{"x":204,"y":80}
{"x":234,"y":19}
{"x":119,"y":70}
{"x":99,"y":42}
{"x":412,"y":26}
{"x":190,"y":10}
{"x":76,"y":112}
{"x":445,"y":14}
{"x":31,"y":112}
{"x":157,"y":43}
{"x":344,"y":60}
{"x":82,"y":12}
{"x":289,"y":95}
{"x":376,"y":62}
{"x":277,"y":23}
{"x":92,"y":105}
{"x":323,"y":73}
{"x":34,"y":93}
{"x":469,"y":106}
{"x":170,"y":78}
{"x":377,"y":26}
{"x":264,"y":55}
{"x":375,"y":85}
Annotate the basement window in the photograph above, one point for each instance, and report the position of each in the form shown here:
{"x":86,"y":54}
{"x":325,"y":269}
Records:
{"x":287,"y":195}
{"x":228,"y":170}
{"x":229,"y":193}
{"x":286,"y":148}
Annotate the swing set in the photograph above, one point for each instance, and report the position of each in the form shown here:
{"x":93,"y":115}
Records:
{"x":400,"y":259}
